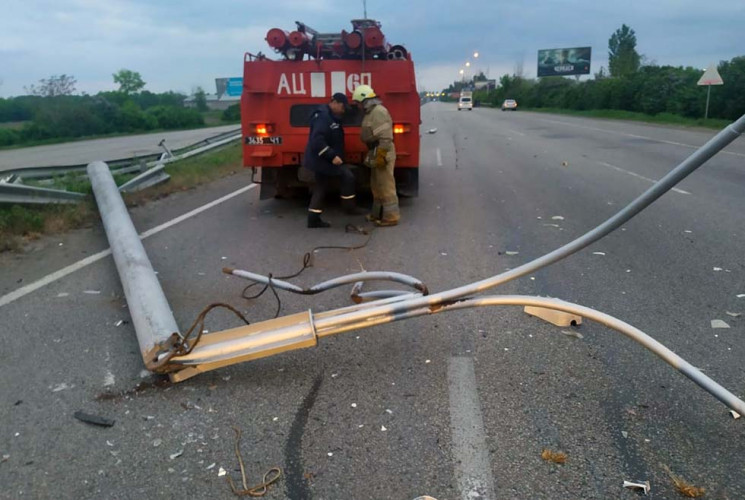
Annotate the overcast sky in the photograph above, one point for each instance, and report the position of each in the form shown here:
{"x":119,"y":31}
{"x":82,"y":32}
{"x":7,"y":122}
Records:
{"x":179,"y":45}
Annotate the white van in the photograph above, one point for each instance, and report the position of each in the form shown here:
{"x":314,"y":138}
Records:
{"x":465,"y":101}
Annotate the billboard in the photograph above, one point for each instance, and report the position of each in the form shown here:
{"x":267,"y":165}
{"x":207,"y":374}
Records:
{"x":229,"y":86}
{"x":564,"y":62}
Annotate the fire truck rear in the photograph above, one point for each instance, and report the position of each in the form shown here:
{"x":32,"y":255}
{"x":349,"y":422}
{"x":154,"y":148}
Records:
{"x":279,"y":97}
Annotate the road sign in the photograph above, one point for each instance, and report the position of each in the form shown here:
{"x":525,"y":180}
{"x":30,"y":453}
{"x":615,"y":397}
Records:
{"x":711,"y":77}
{"x":234,"y":87}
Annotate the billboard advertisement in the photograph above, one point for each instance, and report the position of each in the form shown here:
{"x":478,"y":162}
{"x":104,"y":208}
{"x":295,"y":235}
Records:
{"x":229,"y":86}
{"x":564,"y":62}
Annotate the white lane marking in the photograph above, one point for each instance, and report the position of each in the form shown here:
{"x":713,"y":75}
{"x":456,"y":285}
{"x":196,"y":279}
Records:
{"x":634,"y":174}
{"x":439,"y":158}
{"x":636,"y":136}
{"x":472,"y":465}
{"x":50,"y":278}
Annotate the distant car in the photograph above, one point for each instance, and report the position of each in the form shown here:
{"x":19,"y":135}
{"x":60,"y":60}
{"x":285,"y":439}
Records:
{"x":465,"y":103}
{"x":509,"y":104}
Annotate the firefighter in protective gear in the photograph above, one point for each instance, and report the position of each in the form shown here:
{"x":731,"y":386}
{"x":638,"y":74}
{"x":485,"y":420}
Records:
{"x":377,"y":134}
{"x":324,"y":156}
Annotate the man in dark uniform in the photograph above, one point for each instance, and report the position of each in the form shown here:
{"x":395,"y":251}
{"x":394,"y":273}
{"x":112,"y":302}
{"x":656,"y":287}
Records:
{"x":324,"y":156}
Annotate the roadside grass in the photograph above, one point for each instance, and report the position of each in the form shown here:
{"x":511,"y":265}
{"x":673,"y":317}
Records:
{"x":661,"y":118}
{"x":22,"y":224}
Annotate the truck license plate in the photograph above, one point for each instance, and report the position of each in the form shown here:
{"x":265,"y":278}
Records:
{"x":256,"y":140}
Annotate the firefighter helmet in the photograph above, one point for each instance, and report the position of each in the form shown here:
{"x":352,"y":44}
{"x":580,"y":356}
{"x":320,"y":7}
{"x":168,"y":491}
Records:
{"x":362,"y":92}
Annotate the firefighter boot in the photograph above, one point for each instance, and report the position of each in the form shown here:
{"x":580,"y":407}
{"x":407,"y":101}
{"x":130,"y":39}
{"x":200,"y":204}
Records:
{"x":350,"y":207}
{"x":314,"y":220}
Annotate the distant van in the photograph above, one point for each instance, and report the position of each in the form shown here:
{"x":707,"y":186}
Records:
{"x":465,"y":102}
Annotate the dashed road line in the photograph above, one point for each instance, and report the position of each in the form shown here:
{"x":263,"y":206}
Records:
{"x":50,"y":278}
{"x":634,"y":174}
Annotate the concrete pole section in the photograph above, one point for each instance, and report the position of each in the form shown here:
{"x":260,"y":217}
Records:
{"x":151,"y":315}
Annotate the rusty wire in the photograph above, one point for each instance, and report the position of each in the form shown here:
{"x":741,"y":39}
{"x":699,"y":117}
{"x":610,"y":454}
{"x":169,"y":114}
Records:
{"x":271,"y":476}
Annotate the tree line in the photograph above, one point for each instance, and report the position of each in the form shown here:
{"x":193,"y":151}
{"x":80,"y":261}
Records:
{"x":52,"y":111}
{"x":629,"y":85}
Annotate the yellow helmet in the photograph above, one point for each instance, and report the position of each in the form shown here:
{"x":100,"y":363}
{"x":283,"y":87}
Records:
{"x":362,"y":92}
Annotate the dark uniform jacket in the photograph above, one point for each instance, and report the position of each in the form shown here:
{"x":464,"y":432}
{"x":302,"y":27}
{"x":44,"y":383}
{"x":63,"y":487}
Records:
{"x":326,"y":141}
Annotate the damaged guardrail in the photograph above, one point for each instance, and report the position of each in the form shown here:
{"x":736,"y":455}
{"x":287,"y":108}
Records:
{"x":184,"y":358}
{"x":152,"y":173}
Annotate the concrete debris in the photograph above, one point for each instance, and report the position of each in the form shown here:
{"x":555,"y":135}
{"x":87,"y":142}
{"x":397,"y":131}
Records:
{"x":598,"y":253}
{"x":717,"y":269}
{"x":211,"y":466}
{"x":734,"y":315}
{"x":557,"y":217}
{"x":734,"y":414}
{"x":354,"y":405}
{"x":330,"y":454}
{"x":624,"y":434}
{"x":718,"y":323}
{"x":221,"y":472}
{"x":576,"y":335}
{"x":444,"y":254}
{"x":157,"y":442}
{"x":428,"y":361}
{"x":510,"y":252}
{"x":177,"y":454}
{"x":390,"y":412}
{"x":94,"y":420}
{"x":638,"y":485}
{"x":382,"y":428}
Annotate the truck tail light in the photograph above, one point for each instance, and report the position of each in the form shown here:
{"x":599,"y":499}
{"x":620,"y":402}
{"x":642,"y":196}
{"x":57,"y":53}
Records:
{"x":400,"y":128}
{"x":263,"y":128}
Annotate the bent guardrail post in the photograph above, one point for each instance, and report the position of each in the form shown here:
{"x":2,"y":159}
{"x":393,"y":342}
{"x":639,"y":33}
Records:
{"x":152,"y":318}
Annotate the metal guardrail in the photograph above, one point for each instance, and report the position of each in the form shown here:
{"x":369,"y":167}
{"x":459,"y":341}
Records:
{"x":151,"y":166}
{"x":18,"y":193}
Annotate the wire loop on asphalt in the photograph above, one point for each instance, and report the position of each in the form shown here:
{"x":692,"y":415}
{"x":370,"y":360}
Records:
{"x":308,"y":262}
{"x":271,"y":476}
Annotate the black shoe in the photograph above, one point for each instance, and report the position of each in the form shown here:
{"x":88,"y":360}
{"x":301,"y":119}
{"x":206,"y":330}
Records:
{"x":350,"y":207}
{"x":314,"y":220}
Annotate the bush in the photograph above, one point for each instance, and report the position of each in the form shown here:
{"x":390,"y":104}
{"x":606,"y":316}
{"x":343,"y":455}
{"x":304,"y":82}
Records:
{"x":8,"y":137}
{"x":232,"y":113}
{"x":172,"y":117}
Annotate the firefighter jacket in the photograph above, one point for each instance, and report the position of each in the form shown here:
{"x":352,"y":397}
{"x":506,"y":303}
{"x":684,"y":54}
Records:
{"x":377,"y":132}
{"x":326,"y":142}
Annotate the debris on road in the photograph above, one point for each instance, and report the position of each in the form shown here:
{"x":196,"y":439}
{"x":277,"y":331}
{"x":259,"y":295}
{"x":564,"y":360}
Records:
{"x":556,"y":457}
{"x":5,"y":458}
{"x":176,"y":455}
{"x":221,"y":472}
{"x":557,"y":217}
{"x":432,"y":131}
{"x":740,"y":295}
{"x":94,"y":419}
{"x":576,"y":335}
{"x":717,"y":269}
{"x":382,"y":428}
{"x":638,"y":485}
{"x":61,"y":387}
{"x":734,"y":414}
{"x":564,"y":164}
{"x":598,"y":253}
{"x":92,"y":292}
{"x":510,"y":252}
{"x":683,"y":487}
{"x":733,"y":314}
{"x":625,"y":434}
{"x":718,"y":323}
{"x":157,"y":442}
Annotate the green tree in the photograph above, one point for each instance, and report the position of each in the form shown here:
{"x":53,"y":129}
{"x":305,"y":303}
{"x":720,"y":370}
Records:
{"x":53,"y":86}
{"x":623,"y":59}
{"x":130,"y":82}
{"x":200,"y":99}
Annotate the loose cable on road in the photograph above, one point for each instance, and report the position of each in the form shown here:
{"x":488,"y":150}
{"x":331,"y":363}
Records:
{"x":270,"y":477}
{"x":308,"y":262}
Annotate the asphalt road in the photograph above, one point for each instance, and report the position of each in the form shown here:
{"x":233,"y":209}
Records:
{"x":114,"y":148}
{"x":447,"y":405}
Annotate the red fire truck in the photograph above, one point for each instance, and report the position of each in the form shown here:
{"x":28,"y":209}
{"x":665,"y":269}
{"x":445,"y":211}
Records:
{"x":279,"y":97}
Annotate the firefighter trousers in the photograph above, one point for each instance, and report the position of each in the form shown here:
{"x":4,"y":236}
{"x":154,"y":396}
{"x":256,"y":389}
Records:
{"x":322,"y":186}
{"x":383,"y":186}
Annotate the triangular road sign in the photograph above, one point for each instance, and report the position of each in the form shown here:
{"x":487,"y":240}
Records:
{"x":711,"y":76}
